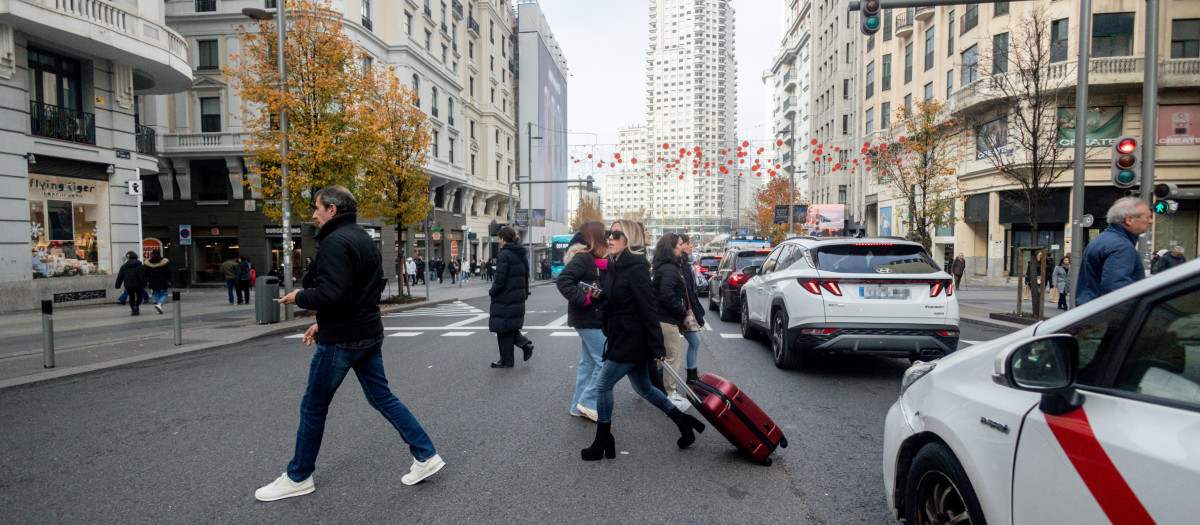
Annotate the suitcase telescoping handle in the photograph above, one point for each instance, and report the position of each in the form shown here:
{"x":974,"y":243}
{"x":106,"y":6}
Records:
{"x":679,"y":381}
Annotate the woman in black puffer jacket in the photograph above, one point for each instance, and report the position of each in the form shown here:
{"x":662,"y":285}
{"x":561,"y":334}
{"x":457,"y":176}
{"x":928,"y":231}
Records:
{"x":634,"y":339}
{"x":585,"y":263}
{"x":509,"y":291}
{"x":670,"y":296}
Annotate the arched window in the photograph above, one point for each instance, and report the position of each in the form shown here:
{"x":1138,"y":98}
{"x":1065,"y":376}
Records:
{"x":417,"y":89}
{"x":450,"y":109}
{"x":434,"y":99}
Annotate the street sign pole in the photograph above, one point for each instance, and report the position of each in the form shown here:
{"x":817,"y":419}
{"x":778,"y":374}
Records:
{"x":1077,"y":188}
{"x":1149,"y":116}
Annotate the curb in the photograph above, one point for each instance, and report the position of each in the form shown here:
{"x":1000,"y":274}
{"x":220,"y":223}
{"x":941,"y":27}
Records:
{"x":991,"y":323}
{"x":281,"y":328}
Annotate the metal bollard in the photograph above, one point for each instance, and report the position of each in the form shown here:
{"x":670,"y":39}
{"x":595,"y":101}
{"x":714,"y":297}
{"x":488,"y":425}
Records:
{"x":48,"y":333}
{"x":177,"y":309}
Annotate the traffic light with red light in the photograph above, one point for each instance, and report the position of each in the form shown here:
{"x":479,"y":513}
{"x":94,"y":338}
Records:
{"x":868,"y":16}
{"x":1127,"y":162}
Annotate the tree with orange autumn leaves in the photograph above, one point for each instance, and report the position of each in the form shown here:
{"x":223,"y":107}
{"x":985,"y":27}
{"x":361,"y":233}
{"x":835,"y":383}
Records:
{"x":918,"y":161}
{"x":775,"y":192}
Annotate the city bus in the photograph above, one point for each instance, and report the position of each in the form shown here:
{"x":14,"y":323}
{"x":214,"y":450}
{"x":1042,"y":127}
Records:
{"x":558,"y":251}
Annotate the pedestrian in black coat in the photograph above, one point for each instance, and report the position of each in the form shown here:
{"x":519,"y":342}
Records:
{"x":244,"y":280}
{"x":693,"y":338}
{"x":158,"y":278}
{"x":671,"y":300}
{"x":440,"y":268}
{"x":634,"y":340}
{"x":585,"y":265}
{"x":510,"y":289}
{"x":132,"y":276}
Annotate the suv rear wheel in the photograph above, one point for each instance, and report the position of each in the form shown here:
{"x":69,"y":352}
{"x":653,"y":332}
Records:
{"x":727,"y":313}
{"x":785,"y":356}
{"x":748,"y":330}
{"x":712,"y":299}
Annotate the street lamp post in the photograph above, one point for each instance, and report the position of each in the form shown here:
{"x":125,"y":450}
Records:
{"x":281,"y":31}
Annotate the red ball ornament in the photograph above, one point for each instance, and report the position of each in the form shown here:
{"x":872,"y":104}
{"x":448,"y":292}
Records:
{"x":633,"y":160}
{"x":589,"y":155}
{"x":666,"y":146}
{"x":814,"y":142}
{"x":745,"y":144}
{"x":681,"y":177}
{"x":778,"y":143}
{"x":617,"y":155}
{"x":837,"y":166}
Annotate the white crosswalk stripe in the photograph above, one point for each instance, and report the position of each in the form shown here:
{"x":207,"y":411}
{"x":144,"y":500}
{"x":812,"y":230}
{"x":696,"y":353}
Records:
{"x":457,"y":334}
{"x":294,"y":336}
{"x":731,"y":336}
{"x":455,"y":309}
{"x":563,"y":334}
{"x":406,"y":334}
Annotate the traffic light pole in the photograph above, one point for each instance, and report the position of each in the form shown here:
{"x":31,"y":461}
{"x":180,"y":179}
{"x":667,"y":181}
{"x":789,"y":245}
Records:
{"x":1149,"y":116}
{"x":1077,"y":187}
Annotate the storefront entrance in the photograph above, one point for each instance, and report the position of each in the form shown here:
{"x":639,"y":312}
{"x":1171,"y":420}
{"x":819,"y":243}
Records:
{"x":210,"y":252}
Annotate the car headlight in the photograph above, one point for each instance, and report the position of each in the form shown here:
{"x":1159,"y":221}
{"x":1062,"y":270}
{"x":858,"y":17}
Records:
{"x":915,"y":372}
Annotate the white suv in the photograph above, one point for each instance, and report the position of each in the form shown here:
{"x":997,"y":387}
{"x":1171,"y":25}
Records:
{"x":850,"y":296}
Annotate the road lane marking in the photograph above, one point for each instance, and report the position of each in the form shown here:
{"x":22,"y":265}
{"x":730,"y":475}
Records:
{"x":457,"y":334}
{"x":525,"y":329}
{"x":559,"y":322}
{"x":563,"y":334}
{"x":708,"y":327}
{"x":466,"y":321}
{"x":295,"y":336}
{"x":969,"y":342}
{"x":406,"y":334}
{"x":730,"y":336}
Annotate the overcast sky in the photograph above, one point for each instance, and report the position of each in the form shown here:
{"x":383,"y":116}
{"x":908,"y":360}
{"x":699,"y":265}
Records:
{"x":605,"y":45}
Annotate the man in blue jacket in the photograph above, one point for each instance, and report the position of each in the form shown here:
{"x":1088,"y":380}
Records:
{"x":343,"y":286}
{"x":1112,"y":261}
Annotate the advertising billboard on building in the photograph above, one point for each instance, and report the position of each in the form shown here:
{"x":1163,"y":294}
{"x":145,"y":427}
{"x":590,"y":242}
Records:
{"x":1178,"y":125}
{"x":551,"y":152}
{"x":1104,"y":125}
{"x":885,"y":221}
{"x":826,"y":220}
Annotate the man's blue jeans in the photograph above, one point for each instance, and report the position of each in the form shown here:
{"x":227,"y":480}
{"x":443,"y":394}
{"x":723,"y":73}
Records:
{"x":693,"y":339}
{"x":589,"y":368}
{"x":125,"y":296}
{"x":229,"y":286}
{"x":330,"y":364}
{"x":159,"y":296}
{"x":639,"y":377}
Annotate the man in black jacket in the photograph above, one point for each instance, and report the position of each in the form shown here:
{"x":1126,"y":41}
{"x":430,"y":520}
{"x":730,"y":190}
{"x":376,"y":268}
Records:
{"x":132,"y":276}
{"x":343,"y":286}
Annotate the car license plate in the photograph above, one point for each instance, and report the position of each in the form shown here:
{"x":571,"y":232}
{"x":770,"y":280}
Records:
{"x":885,"y":292}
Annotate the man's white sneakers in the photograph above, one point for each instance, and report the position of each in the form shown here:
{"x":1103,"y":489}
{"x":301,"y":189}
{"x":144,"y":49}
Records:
{"x":284,"y":487}
{"x":421,"y":470}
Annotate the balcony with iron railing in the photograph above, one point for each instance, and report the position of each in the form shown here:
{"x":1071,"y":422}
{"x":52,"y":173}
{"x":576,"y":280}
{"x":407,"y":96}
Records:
{"x":923,"y":14}
{"x":473,"y":25}
{"x":904,"y":23}
{"x":206,"y":6}
{"x":145,"y":140}
{"x":428,"y":13}
{"x":366,"y":23}
{"x":458,"y":9}
{"x":61,"y":123}
{"x":157,"y":55}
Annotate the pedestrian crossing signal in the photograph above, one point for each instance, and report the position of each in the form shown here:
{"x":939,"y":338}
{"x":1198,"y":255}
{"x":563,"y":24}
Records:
{"x":1166,"y":207}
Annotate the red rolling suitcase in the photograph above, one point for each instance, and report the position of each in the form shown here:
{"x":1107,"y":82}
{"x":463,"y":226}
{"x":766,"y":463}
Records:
{"x":729,"y":409}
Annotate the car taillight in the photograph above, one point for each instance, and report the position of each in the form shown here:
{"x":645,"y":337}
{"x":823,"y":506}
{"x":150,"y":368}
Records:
{"x":814,"y":286}
{"x":738,"y":278}
{"x":818,"y":331}
{"x":949,"y":289}
{"x":936,"y":288}
{"x":948,"y":333}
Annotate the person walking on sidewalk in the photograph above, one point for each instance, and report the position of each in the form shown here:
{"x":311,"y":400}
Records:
{"x":441,"y":270}
{"x":506,"y":314}
{"x":635,"y":339}
{"x":1111,"y":261}
{"x":158,"y":277}
{"x":1062,"y":281}
{"x":410,"y":268}
{"x":343,"y":287}
{"x":1169,"y":260}
{"x":585,"y":264}
{"x":453,"y":267}
{"x":132,"y":276}
{"x":693,"y":338}
{"x":671,"y":303}
{"x":230,"y":269}
{"x":491,"y":269}
{"x":244,"y":279}
{"x":420,"y":275}
{"x":957,"y":269}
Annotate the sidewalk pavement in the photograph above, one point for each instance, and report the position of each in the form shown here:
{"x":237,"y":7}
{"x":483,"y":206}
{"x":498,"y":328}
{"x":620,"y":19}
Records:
{"x":96,"y":337}
{"x":975,"y":305}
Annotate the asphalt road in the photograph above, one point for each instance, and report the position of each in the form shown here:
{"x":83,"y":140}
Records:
{"x":188,"y":439}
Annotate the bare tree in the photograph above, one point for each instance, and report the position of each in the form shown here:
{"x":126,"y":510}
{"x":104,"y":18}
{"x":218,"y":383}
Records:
{"x":1018,"y":134}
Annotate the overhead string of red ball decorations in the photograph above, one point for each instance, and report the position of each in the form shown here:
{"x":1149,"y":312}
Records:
{"x":678,"y":162}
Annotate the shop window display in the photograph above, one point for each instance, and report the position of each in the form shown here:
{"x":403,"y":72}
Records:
{"x":68,"y":221}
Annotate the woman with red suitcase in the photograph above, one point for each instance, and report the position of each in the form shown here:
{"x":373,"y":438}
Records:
{"x":634,"y":339}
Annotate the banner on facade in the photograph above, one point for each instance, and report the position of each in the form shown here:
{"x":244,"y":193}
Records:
{"x":799,"y":212}
{"x":781,"y":213}
{"x":1104,"y":125}
{"x":521,"y":218}
{"x":885,"y":221}
{"x":538,"y":218}
{"x":991,"y":139}
{"x":1178,"y":125}
{"x":826,"y":220}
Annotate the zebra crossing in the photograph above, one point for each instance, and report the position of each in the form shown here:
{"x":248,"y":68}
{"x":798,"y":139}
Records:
{"x":455,"y":309}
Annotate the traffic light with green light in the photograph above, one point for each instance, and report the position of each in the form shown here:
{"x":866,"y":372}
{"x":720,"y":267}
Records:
{"x":1127,"y":162}
{"x":1165,"y":207}
{"x":868,"y":16}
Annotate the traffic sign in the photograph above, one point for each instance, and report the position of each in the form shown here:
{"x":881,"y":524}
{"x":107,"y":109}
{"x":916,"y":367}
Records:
{"x":185,"y":234}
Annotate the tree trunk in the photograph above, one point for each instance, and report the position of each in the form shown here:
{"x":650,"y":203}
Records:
{"x":405,"y":288}
{"x":1020,"y":271}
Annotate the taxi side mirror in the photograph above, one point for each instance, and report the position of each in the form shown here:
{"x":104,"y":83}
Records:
{"x":1045,"y":364}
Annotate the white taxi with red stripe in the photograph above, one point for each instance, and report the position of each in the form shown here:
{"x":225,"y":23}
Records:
{"x":1090,"y":417}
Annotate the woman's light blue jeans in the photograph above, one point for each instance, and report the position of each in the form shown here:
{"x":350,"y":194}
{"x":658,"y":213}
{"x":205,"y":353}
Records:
{"x":693,"y":339}
{"x":589,"y":368}
{"x":639,"y":377}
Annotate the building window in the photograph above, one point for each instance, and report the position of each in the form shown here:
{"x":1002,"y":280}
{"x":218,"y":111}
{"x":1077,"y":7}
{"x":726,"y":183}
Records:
{"x":472,"y":85}
{"x":950,"y":36}
{"x":1000,"y":9}
{"x":970,"y":19}
{"x":472,"y":164}
{"x":445,"y":55}
{"x":450,"y":110}
{"x":66,"y":235}
{"x":870,"y":42}
{"x":950,"y":83}
{"x":55,"y":81}
{"x":497,"y":137}
{"x":970,"y":64}
{"x":436,"y":136}
{"x":1112,"y":34}
{"x":408,"y":25}
{"x":870,"y":79}
{"x":210,"y":115}
{"x":928,"y":92}
{"x":887,"y":25}
{"x":1059,"y":33}
{"x":845,"y":89}
{"x":907,"y":104}
{"x":366,"y":14}
{"x":492,"y":63}
{"x":450,"y":149}
{"x":493,"y":95}
{"x":434,"y":98}
{"x":908,"y":66}
{"x":428,"y":41}
{"x":472,"y":126}
{"x":929,"y":46}
{"x":497,"y":170}
{"x":885,"y":116}
{"x":885,"y":74}
{"x":870,"y":120}
{"x":1000,"y":53}
{"x":845,"y":124}
{"x":841,"y":194}
{"x":206,"y":6}
{"x":417,"y":89}
{"x":1185,"y":38}
{"x":209,"y":57}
